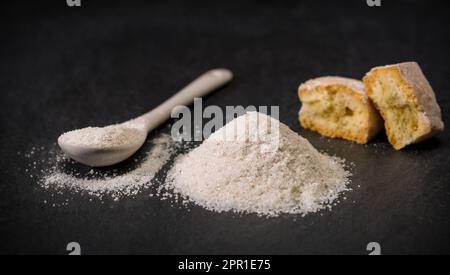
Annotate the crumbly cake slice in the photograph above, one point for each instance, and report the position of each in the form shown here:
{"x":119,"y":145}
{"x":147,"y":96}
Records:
{"x":338,"y":107}
{"x":406,"y":101}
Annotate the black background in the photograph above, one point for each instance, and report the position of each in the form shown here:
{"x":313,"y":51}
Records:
{"x":63,"y":68}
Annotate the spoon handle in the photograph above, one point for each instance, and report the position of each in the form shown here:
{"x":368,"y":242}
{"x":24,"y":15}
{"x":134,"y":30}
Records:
{"x":203,"y":85}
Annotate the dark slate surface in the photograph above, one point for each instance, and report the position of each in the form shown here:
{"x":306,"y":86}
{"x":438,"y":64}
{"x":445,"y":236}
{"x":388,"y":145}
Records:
{"x":63,"y":68}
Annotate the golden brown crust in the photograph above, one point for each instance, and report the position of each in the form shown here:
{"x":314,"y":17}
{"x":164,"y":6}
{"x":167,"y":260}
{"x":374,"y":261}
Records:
{"x":412,"y":74}
{"x":370,"y":125}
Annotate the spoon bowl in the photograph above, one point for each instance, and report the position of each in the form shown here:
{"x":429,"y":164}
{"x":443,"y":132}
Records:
{"x":97,"y":154}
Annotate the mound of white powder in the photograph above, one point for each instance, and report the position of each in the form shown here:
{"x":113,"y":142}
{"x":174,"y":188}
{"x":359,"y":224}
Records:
{"x":244,"y":167}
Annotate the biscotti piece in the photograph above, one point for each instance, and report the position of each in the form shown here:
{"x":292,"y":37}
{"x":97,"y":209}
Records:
{"x":406,"y":101}
{"x":338,"y":107}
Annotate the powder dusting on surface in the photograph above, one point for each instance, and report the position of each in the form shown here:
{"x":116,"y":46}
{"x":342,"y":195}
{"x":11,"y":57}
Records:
{"x":244,"y":167}
{"x":116,"y":186}
{"x":257,"y":171}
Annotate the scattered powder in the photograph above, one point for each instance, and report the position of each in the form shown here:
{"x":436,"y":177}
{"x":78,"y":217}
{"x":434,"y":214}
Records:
{"x":257,"y":171}
{"x":240,"y":168}
{"x":101,"y":137}
{"x":115,"y":185}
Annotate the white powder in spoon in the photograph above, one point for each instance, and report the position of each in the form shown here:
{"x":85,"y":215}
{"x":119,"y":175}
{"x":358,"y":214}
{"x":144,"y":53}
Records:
{"x":257,"y":171}
{"x":101,"y":137}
